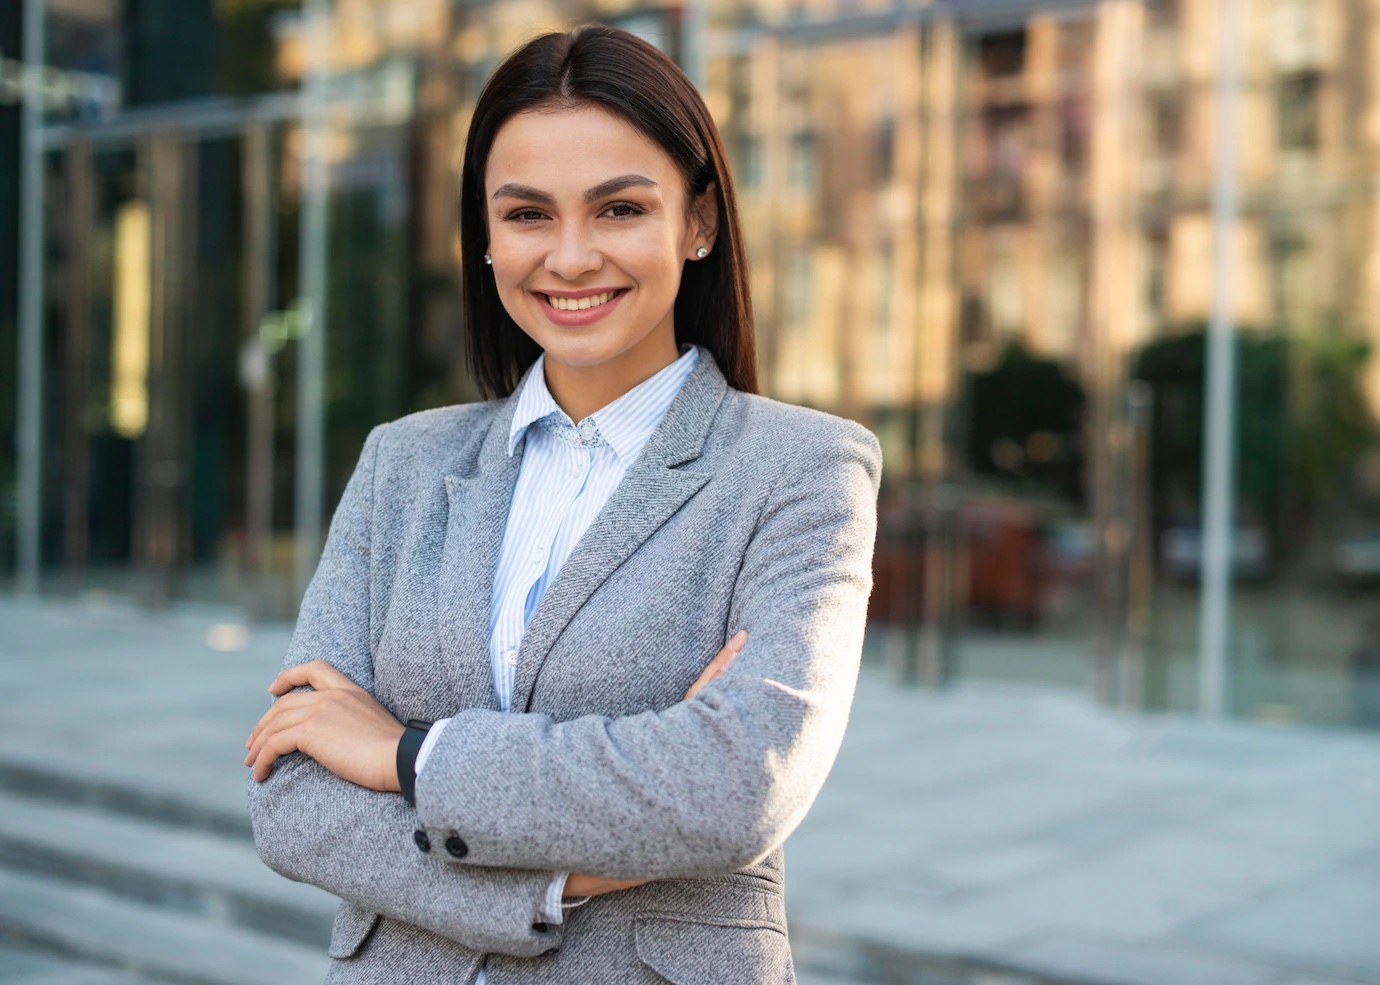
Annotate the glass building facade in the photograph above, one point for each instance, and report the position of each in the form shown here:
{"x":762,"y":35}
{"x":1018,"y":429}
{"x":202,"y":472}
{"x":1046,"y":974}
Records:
{"x":1003,"y":235}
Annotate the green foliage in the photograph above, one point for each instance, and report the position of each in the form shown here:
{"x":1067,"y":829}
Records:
{"x":1025,"y":417}
{"x":1302,"y":420}
{"x":244,"y":38}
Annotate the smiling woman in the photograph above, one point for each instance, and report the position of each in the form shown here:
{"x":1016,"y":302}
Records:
{"x":578,"y":658}
{"x":582,"y":177}
{"x":565,"y":229}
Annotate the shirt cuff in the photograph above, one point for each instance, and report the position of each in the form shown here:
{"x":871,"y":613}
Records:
{"x":432,"y":735}
{"x":551,"y":910}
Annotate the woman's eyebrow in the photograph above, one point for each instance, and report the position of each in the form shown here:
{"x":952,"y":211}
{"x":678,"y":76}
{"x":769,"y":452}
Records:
{"x":609,"y":187}
{"x":615,"y":185}
{"x":512,"y":191}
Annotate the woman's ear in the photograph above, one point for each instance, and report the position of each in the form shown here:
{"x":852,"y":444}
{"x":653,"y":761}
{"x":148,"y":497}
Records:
{"x":705,"y":218}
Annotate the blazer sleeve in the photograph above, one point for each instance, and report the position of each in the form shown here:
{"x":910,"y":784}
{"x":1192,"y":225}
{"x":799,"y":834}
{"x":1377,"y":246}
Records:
{"x":312,"y":826}
{"x":709,"y":785}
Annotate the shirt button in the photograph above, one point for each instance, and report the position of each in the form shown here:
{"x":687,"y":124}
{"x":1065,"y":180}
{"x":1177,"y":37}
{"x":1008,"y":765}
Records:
{"x":423,"y":842}
{"x":510,"y":656}
{"x":457,"y":847}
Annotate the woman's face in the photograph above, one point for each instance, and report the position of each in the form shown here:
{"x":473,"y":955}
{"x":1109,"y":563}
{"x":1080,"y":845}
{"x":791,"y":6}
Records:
{"x":580,"y":203}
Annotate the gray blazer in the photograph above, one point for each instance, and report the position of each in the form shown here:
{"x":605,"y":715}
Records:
{"x":741,"y":512}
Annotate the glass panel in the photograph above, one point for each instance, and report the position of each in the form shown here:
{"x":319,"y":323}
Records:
{"x":985,"y":240}
{"x":148,"y":472}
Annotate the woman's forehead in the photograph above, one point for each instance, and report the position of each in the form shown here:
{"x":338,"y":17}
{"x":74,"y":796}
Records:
{"x":567,"y":152}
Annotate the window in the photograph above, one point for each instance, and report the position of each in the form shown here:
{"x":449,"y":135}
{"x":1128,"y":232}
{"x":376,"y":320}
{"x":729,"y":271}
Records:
{"x":1298,"y":111}
{"x":1166,"y":124}
{"x":1162,"y":15}
{"x":749,"y":169}
{"x":1002,"y":55}
{"x":885,"y":151}
{"x":804,"y":159}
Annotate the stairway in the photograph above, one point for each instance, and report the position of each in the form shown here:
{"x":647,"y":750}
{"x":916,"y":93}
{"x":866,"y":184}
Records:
{"x":103,"y":886}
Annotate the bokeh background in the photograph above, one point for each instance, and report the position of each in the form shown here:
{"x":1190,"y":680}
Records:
{"x":986,"y":230}
{"x":1103,"y":275}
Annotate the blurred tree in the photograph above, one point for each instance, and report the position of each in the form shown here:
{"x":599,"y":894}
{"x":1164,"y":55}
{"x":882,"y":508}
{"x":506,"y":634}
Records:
{"x":1302,"y":424}
{"x":246,"y":48}
{"x":1025,"y":418}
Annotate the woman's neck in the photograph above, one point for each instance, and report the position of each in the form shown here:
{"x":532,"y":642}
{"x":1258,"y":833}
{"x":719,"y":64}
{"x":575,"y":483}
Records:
{"x":581,"y":390}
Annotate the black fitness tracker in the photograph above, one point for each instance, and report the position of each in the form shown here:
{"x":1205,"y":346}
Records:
{"x":408,"y":746}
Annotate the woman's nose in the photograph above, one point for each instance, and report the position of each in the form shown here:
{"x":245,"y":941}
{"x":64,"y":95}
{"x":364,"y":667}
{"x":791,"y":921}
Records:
{"x":573,"y":254}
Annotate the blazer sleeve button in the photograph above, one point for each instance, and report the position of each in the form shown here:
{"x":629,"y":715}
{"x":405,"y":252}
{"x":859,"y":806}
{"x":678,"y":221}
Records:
{"x":457,"y":847}
{"x":423,"y":842}
{"x":541,"y":928}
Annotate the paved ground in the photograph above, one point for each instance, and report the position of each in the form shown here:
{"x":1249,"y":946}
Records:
{"x":1004,"y":833}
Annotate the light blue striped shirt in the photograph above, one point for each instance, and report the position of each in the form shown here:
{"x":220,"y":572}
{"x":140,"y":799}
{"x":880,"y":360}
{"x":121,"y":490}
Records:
{"x":568,"y":472}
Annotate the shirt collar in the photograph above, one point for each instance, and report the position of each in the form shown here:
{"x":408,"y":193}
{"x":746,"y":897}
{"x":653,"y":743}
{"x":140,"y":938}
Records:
{"x":626,"y":423}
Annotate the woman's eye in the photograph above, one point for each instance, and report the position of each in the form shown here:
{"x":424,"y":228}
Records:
{"x":632,"y":210}
{"x":618,"y":210}
{"x":521,"y":215}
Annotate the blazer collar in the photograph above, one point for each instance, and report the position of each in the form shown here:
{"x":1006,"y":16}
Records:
{"x":651,"y":491}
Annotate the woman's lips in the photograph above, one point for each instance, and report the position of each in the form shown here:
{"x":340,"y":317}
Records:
{"x":582,"y":317}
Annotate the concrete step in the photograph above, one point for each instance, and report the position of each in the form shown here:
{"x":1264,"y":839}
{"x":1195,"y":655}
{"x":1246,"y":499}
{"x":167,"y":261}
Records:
{"x":68,"y":786}
{"x":151,"y":941}
{"x":195,"y":872}
{"x":826,"y":958}
{"x":26,"y":967}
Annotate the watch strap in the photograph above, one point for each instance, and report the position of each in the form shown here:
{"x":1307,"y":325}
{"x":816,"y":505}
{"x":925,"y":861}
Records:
{"x":408,"y":746}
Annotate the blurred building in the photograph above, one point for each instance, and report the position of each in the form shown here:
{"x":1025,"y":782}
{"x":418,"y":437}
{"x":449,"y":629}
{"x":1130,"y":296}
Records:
{"x":983,"y":227}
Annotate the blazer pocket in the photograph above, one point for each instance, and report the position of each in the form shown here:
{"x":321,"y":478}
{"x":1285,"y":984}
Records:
{"x":691,"y":949}
{"x":350,"y":930}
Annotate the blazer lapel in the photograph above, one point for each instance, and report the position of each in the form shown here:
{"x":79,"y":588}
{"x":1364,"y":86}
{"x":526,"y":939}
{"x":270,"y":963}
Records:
{"x":646,"y":497}
{"x":476,"y":517}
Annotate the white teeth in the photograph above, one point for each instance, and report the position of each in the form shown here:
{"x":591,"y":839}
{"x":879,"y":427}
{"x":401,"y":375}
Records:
{"x":579,"y":304}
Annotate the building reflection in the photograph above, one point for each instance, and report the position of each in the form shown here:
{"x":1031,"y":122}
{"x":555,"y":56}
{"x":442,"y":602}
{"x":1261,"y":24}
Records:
{"x":983,"y":229}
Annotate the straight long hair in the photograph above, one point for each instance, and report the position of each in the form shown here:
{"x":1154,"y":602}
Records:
{"x":633,"y":79}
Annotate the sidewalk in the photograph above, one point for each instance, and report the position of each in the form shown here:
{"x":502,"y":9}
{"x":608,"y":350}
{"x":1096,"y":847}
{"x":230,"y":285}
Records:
{"x":994,"y":834}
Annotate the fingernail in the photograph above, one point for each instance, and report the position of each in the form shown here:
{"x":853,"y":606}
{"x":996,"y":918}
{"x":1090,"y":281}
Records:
{"x":739,"y":638}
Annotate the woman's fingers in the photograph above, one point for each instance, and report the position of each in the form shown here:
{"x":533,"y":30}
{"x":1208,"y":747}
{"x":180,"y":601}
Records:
{"x":278,"y":744}
{"x":314,"y":673}
{"x":345,"y":729}
{"x":285,"y":703}
{"x":285,"y":720}
{"x":719,"y":664}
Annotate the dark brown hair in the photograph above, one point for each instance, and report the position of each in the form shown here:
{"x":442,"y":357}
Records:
{"x":633,"y":79}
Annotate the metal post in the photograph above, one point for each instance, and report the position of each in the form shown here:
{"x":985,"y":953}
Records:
{"x":1219,"y":422}
{"x":29,"y":385}
{"x":311,"y":354}
{"x":258,"y":374}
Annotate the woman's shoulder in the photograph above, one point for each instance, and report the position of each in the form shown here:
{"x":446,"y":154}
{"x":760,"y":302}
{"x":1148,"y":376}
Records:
{"x":774,"y":429}
{"x":451,"y":434}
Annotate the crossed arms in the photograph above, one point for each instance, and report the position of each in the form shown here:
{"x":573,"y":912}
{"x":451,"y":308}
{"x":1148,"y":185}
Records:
{"x":619,"y":797}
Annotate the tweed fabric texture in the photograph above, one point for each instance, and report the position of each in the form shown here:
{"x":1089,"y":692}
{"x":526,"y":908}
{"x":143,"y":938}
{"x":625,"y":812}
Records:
{"x":741,"y":512}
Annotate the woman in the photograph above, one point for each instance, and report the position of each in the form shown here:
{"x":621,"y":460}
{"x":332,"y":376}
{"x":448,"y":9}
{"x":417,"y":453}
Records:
{"x":593,"y":802}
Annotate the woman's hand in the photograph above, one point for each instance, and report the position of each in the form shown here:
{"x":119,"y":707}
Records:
{"x":579,"y":884}
{"x":720,"y":663}
{"x":338,"y":724}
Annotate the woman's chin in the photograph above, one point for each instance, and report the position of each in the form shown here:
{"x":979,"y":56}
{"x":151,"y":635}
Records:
{"x":586,"y":345}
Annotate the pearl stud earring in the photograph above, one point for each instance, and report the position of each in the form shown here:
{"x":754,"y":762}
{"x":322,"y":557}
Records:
{"x":488,"y":259}
{"x":702,"y":253}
